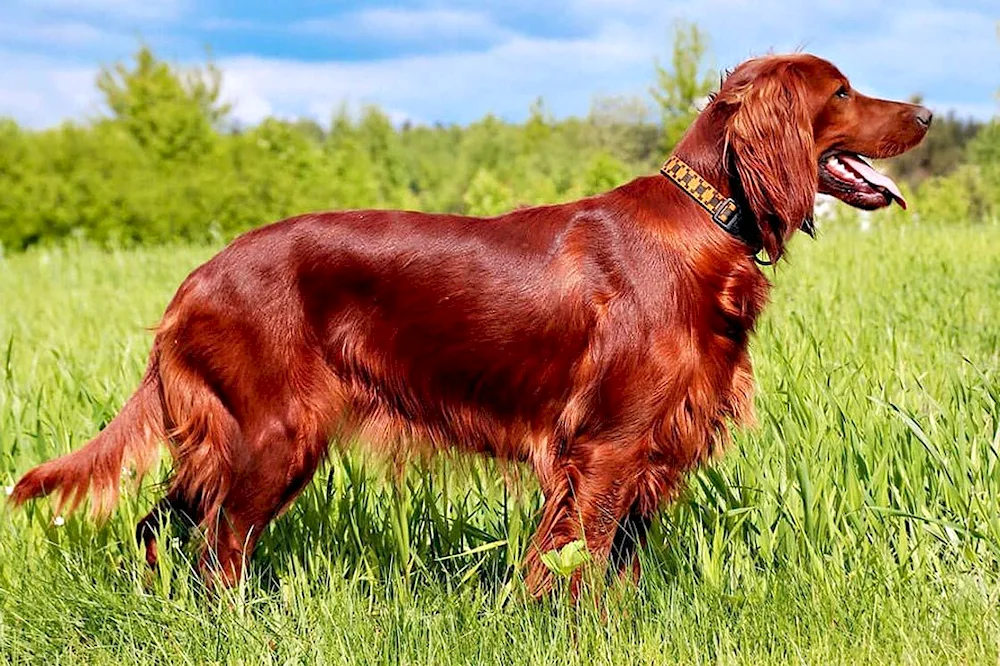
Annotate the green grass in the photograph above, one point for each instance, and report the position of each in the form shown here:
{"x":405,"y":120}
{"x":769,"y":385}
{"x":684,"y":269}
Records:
{"x":858,"y":523}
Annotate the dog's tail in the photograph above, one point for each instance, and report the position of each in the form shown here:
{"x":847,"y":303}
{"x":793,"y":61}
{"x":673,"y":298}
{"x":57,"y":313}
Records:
{"x":95,"y":470}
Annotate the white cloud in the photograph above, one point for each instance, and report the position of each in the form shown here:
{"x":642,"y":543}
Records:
{"x":406,"y":25}
{"x":64,"y":34}
{"x":226,"y":24}
{"x":503,"y":80}
{"x":600,"y":7}
{"x":922,"y":51}
{"x":42,"y":91}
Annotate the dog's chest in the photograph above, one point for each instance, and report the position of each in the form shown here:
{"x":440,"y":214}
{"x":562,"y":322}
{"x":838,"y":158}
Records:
{"x":707,"y":376}
{"x":732,"y":307}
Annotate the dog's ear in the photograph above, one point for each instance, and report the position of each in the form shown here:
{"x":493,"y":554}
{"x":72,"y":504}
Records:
{"x":769,"y":137}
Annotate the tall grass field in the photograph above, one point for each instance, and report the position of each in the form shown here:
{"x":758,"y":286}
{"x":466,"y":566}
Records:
{"x":858,"y":523}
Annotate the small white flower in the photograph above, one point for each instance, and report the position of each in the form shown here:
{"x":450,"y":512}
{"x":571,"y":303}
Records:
{"x":10,"y":490}
{"x":59,"y":521}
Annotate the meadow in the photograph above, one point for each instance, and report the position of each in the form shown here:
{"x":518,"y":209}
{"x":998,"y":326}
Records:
{"x":858,"y":523}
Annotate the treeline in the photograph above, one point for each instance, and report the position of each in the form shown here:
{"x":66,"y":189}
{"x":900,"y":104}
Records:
{"x":167,"y":162}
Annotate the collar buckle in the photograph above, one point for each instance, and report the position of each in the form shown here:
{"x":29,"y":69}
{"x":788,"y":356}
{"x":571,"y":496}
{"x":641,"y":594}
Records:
{"x":727,"y":215}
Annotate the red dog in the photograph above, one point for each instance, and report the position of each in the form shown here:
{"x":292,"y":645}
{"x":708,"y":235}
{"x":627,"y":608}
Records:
{"x":603,"y":342}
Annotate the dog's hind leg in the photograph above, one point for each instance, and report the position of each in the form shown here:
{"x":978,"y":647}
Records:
{"x":174,"y":506}
{"x":279,"y":464}
{"x":631,"y":536}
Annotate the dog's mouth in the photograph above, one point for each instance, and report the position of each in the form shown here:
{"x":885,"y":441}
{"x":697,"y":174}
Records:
{"x":850,"y":178}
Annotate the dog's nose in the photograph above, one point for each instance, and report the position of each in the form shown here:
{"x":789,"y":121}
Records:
{"x":923,"y":116}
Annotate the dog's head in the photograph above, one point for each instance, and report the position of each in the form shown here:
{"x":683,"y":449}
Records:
{"x":795,"y":126}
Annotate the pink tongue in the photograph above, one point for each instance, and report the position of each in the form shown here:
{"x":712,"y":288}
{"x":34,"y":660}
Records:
{"x":872,"y":176}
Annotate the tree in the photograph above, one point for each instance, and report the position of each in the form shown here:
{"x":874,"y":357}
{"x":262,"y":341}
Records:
{"x":684,"y":85}
{"x":172,"y":115}
{"x":311,"y":129}
{"x":603,"y":173}
{"x":486,"y":195}
{"x":622,"y":127}
{"x":537,"y":129}
{"x":354,"y":181}
{"x":381,"y":141}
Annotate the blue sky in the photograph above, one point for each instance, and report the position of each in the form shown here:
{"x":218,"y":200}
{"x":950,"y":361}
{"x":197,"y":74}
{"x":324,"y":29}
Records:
{"x":456,"y":60}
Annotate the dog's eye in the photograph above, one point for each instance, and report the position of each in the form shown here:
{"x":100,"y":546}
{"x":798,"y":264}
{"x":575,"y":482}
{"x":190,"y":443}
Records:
{"x":843,"y":92}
